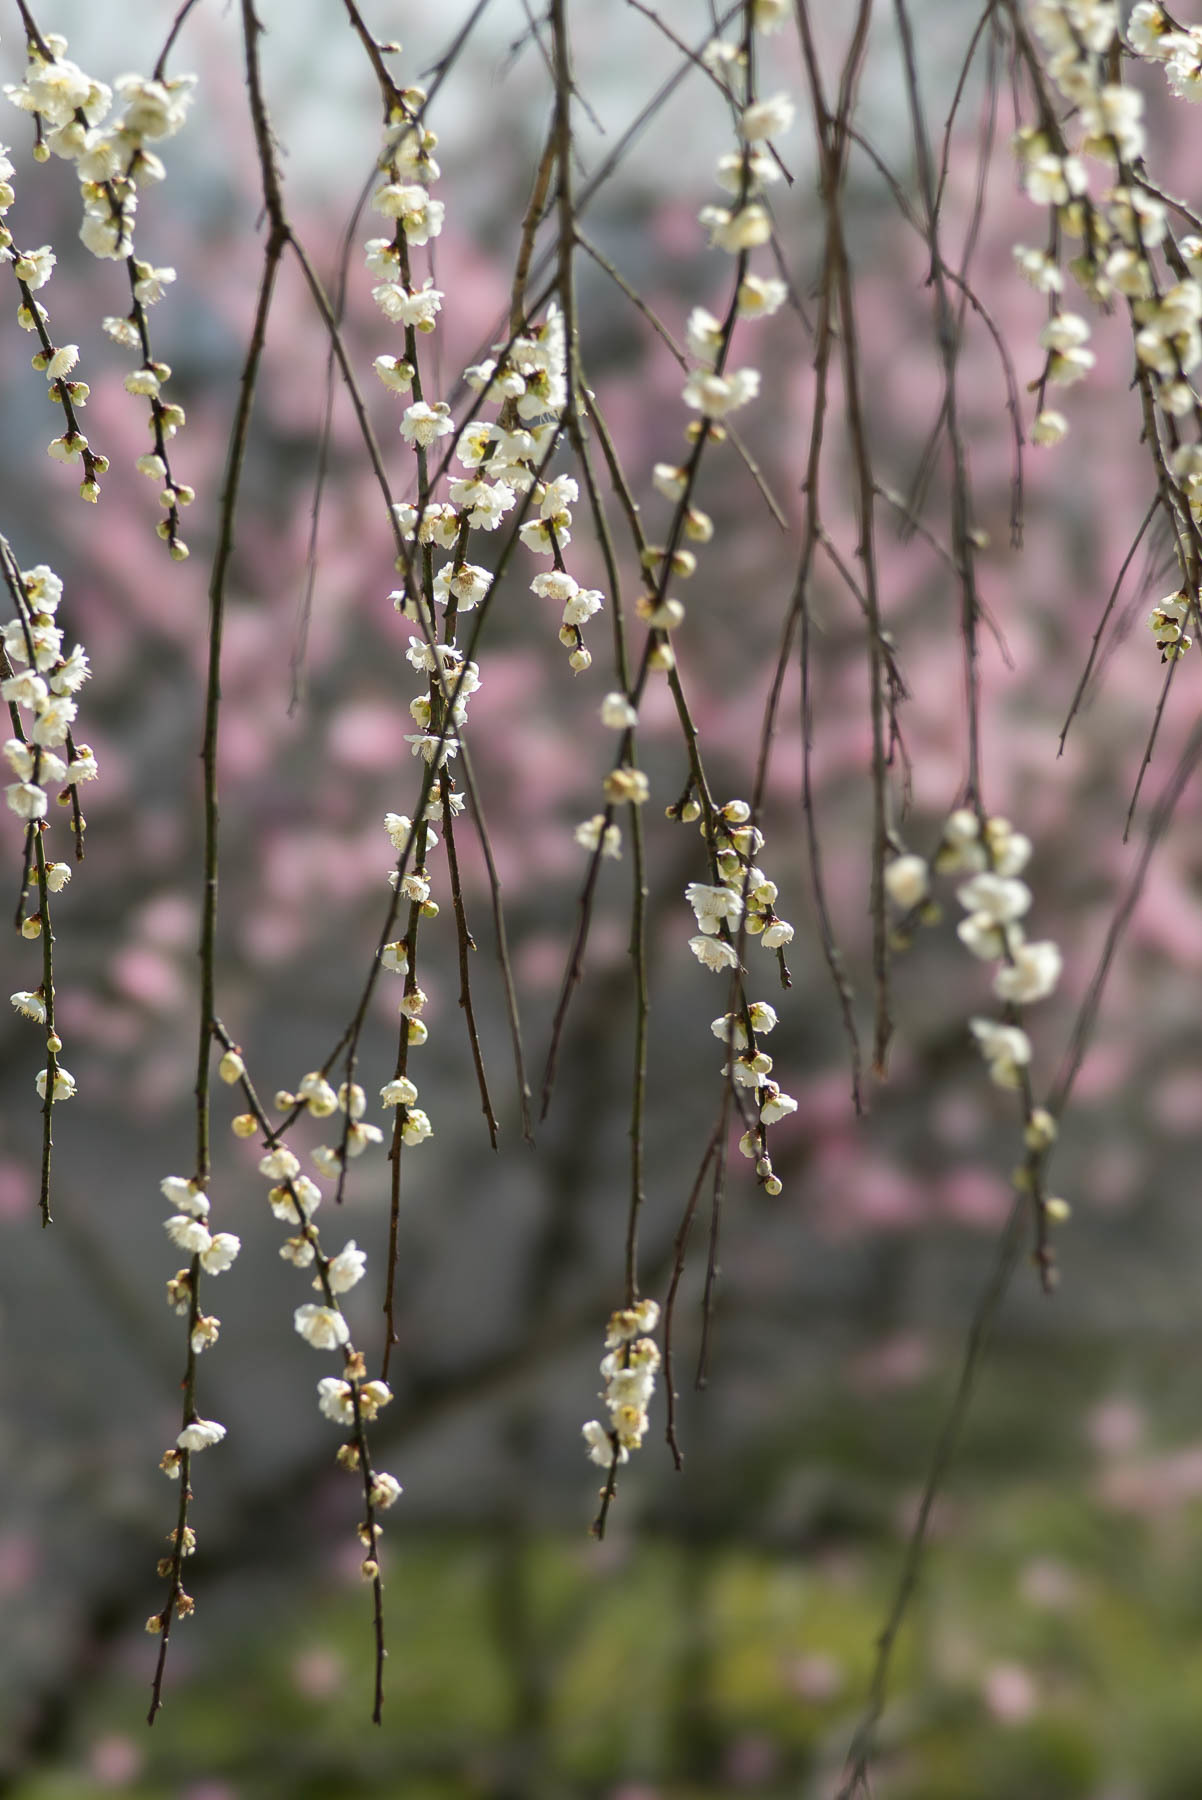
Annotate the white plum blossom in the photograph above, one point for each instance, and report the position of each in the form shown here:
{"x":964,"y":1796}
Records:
{"x":600,"y":1446}
{"x":416,"y":1127}
{"x":220,"y":1254}
{"x":714,"y":906}
{"x":347,"y":1268}
{"x":907,"y":881}
{"x":26,"y":799}
{"x":386,"y":1490}
{"x":398,"y":1092}
{"x":185,"y":1196}
{"x":594,"y":833}
{"x":334,"y":1400}
{"x":188,"y":1233}
{"x":995,"y":898}
{"x":1049,"y":427}
{"x":716,"y":395}
{"x":297,"y":1201}
{"x":617,"y":714}
{"x":1031,"y":976}
{"x":395,"y":373}
{"x":64,"y":1084}
{"x":629,"y":1368}
{"x":713,"y":952}
{"x":1149,"y":32}
{"x":322,"y":1326}
{"x":766,"y":118}
{"x":422,"y":424}
{"x":279,"y":1164}
{"x":420,"y":215}
{"x":584,"y":604}
{"x":776,"y":1104}
{"x":200,"y":1434}
{"x":1006,"y":1049}
{"x":760,"y":295}
{"x":468,"y":583}
{"x":735,"y":232}
{"x":1037,"y":267}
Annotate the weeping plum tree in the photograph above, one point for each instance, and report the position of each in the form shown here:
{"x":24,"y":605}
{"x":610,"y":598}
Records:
{"x":498,"y":493}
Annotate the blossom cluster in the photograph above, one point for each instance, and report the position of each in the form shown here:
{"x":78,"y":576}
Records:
{"x":38,"y":682}
{"x":32,"y":270}
{"x":527,"y":380}
{"x":1123,"y":225}
{"x":995,"y":901}
{"x":712,"y":389}
{"x":351,"y":1400}
{"x":495,"y":462}
{"x":68,"y":108}
{"x":114,"y":159}
{"x":210,"y":1253}
{"x":413,"y":1125}
{"x":43,"y":686}
{"x":629,"y":1367}
{"x":739,"y":898}
{"x":743,"y":900}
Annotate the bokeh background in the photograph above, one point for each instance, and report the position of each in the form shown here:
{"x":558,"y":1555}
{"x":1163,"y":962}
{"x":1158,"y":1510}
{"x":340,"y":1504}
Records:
{"x":719,"y":1642}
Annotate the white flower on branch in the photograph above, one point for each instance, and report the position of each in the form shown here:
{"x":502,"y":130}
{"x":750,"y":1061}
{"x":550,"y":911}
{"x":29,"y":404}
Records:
{"x":64,"y":1084}
{"x":593,"y":833}
{"x":1032,"y":975}
{"x":776,"y":1104}
{"x":400,"y":1091}
{"x":23,"y":689}
{"x":735,"y":232}
{"x":416,"y":1127}
{"x":759,"y":296}
{"x":1049,"y":427}
{"x":386,"y":1490}
{"x":907,"y":881}
{"x":188,"y":1233}
{"x":26,"y":799}
{"x":617,"y":714}
{"x":716,"y":395}
{"x":1149,"y":32}
{"x":766,"y":118}
{"x":1006,"y":1049}
{"x":322,"y":1326}
{"x":714,"y":906}
{"x":422,"y":425}
{"x":1037,"y":267}
{"x":298,"y":1200}
{"x":994,"y":899}
{"x":221,"y":1253}
{"x":468,"y":583}
{"x":713,"y":952}
{"x":279,"y":1164}
{"x":201,"y":1434}
{"x":347,"y":1268}
{"x":154,"y":109}
{"x":185,"y":1196}
{"x":420,"y":215}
